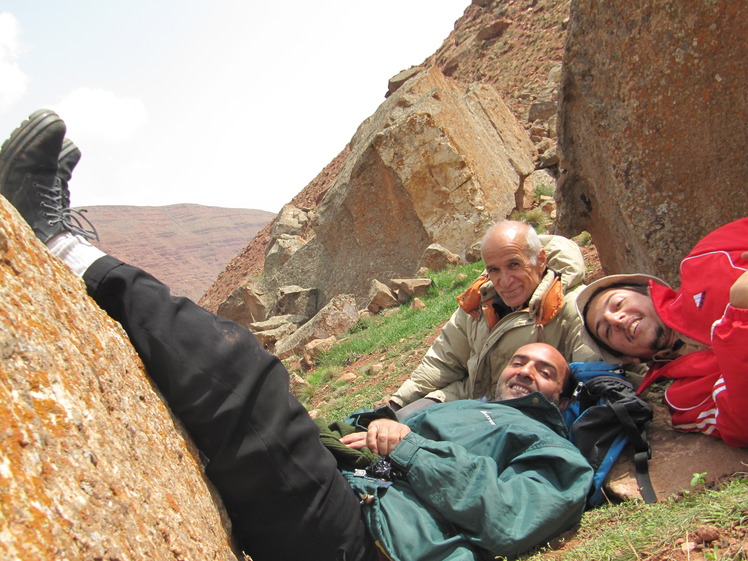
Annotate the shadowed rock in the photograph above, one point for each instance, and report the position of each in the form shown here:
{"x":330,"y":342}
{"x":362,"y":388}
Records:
{"x":653,"y":121}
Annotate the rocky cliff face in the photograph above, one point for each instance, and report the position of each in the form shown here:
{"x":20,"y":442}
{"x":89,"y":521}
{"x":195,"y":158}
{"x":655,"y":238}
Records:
{"x":512,"y":44}
{"x":431,"y":165}
{"x":92,"y":465}
{"x":653,"y":121}
{"x":437,"y":162}
{"x":186,"y":246}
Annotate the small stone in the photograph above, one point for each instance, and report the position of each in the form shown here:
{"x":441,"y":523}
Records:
{"x":706,"y":533}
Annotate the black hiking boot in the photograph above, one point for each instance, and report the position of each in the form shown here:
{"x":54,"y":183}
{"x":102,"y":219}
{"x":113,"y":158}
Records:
{"x":29,"y":176}
{"x":69,"y":157}
{"x":28,"y":172}
{"x":74,"y":221}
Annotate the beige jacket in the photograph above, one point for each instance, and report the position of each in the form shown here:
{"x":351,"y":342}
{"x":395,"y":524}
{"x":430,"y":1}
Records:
{"x":465,"y":361}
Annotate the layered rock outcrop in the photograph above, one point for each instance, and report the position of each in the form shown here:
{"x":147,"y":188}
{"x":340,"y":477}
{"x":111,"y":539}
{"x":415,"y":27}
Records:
{"x":514,"y":46}
{"x":437,"y":162}
{"x":92,"y":465}
{"x":653,"y":121}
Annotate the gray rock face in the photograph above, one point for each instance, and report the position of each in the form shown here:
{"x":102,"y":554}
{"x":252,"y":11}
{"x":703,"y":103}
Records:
{"x":296,"y":300}
{"x":437,"y":162}
{"x":246,"y":304}
{"x":281,"y":249}
{"x":653,"y":121}
{"x":337,"y":317}
{"x":92,"y":464}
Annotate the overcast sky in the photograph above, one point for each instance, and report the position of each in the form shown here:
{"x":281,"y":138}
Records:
{"x":215,"y":102}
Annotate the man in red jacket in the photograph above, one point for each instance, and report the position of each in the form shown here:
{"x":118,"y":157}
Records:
{"x":697,"y":336}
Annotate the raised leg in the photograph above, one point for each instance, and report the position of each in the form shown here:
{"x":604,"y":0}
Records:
{"x":282,"y":488}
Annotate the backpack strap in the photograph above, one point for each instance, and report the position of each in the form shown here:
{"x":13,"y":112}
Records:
{"x":642,"y":452}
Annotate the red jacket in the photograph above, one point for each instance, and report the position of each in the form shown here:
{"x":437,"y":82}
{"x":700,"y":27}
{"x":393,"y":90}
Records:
{"x":710,"y":388}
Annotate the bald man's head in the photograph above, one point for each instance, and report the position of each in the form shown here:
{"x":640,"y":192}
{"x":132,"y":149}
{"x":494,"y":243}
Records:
{"x":536,"y":367}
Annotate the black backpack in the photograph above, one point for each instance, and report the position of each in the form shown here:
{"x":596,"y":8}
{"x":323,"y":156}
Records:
{"x":603,"y":416}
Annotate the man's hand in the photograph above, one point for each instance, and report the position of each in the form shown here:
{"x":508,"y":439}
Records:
{"x":381,"y":437}
{"x":739,"y":290}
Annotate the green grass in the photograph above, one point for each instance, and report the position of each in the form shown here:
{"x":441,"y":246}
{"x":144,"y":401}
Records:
{"x":544,"y":190}
{"x":397,"y":333}
{"x":584,"y":239}
{"x":535,"y":217}
{"x":634,"y":530}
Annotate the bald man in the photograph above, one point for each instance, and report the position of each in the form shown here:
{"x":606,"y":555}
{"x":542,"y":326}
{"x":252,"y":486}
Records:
{"x":493,"y":476}
{"x":536,"y":367}
{"x":527,"y":294}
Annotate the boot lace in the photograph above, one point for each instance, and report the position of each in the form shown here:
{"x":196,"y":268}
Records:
{"x":74,"y":221}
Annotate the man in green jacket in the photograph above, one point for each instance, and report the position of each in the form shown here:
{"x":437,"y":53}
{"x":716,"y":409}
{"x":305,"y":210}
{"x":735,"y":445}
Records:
{"x":480,"y":478}
{"x":475,"y":479}
{"x":527,"y":295}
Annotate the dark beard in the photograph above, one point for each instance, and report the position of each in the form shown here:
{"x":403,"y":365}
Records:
{"x":659,"y":342}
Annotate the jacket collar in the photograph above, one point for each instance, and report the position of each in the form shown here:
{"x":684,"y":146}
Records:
{"x":536,"y":406}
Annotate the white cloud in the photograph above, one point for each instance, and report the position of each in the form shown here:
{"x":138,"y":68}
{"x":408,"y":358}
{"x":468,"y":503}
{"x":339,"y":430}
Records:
{"x":220,"y":102}
{"x":100,"y":115}
{"x":13,"y":82}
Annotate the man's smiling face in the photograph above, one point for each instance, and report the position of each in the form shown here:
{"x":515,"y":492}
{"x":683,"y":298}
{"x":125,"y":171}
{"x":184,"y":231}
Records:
{"x":513,"y":274}
{"x":536,"y":367}
{"x":626,"y":321}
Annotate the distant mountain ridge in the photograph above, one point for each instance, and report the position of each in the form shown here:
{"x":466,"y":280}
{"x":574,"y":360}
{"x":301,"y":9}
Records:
{"x":184,"y":245}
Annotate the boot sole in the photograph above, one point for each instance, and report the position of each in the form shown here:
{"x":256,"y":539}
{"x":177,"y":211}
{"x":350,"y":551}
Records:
{"x":22,"y":136}
{"x":68,"y":147}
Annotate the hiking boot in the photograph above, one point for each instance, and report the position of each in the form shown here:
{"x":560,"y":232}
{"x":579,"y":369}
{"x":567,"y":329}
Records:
{"x":32,"y":180}
{"x":28,"y":172}
{"x":73,"y":220}
{"x":69,"y":157}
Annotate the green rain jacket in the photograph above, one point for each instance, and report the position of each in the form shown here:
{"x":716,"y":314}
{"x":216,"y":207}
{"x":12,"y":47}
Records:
{"x":483,"y":479}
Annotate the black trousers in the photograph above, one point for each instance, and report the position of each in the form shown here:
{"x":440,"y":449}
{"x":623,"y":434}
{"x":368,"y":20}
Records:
{"x":285,"y":496}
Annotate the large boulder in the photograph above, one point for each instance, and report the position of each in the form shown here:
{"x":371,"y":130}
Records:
{"x":438,"y":162}
{"x":337,"y":317}
{"x":248,"y":303}
{"x":93,"y":464}
{"x":653,"y":124}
